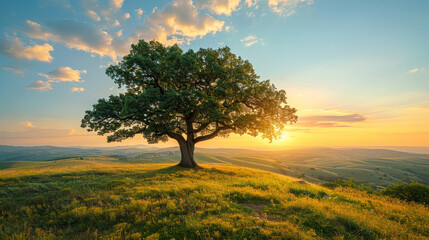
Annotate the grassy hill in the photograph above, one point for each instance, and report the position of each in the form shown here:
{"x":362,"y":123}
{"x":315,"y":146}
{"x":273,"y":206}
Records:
{"x":376,"y":168}
{"x":373,"y":167}
{"x":95,"y":197}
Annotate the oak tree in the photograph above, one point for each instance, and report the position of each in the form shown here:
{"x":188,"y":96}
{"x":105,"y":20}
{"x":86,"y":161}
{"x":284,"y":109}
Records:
{"x":190,"y":97}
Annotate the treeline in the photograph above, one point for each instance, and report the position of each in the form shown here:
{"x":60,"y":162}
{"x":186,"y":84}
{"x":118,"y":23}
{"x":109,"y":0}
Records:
{"x":410,"y":192}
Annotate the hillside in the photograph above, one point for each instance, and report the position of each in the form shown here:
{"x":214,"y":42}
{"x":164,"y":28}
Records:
{"x":89,"y":198}
{"x":377,"y":168}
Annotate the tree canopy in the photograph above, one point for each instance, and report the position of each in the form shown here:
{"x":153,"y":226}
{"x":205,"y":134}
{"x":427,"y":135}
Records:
{"x":190,"y":96}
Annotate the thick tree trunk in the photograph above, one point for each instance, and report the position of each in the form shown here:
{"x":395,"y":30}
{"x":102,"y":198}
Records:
{"x":187,"y":152}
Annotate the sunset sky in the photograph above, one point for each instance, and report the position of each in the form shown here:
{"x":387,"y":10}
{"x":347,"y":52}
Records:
{"x":357,"y":71}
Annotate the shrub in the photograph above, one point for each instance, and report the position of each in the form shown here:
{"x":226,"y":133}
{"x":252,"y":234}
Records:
{"x":412,"y":192}
{"x":348,"y":183}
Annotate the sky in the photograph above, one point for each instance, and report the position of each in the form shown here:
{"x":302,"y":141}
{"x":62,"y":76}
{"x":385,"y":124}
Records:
{"x":357,"y":71}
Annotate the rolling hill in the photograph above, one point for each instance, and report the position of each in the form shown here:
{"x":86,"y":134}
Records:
{"x":373,"y":167}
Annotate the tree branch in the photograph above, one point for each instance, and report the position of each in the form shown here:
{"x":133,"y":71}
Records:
{"x":202,"y":126}
{"x":211,"y":135}
{"x":175,"y":136}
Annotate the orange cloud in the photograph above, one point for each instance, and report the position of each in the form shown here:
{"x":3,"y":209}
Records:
{"x":27,"y":124}
{"x":251,"y":3}
{"x":219,"y":7}
{"x":16,"y":49}
{"x":63,"y":74}
{"x":416,"y":70}
{"x":179,"y":22}
{"x":327,"y":118}
{"x":139,"y":11}
{"x":117,"y":3}
{"x":93,"y":15}
{"x":76,"y":89}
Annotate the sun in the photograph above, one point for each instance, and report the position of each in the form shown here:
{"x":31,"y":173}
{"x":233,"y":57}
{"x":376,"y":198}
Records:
{"x":283,"y":138}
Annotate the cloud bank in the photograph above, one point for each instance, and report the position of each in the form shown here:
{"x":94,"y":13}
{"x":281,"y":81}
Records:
{"x":337,"y":120}
{"x":179,"y":21}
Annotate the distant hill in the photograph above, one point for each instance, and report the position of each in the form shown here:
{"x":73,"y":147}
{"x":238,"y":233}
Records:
{"x":16,"y":153}
{"x":374,"y":167}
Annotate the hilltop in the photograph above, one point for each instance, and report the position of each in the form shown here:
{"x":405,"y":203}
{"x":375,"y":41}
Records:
{"x":80,"y":198}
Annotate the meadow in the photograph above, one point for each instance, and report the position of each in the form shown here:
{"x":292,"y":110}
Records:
{"x":95,"y":197}
{"x":376,"y":168}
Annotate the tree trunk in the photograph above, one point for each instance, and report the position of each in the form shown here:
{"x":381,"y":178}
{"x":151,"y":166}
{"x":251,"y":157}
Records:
{"x":187,"y":152}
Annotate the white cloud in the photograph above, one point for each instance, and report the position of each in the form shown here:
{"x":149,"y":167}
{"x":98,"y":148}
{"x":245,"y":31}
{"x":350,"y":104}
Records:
{"x":225,"y":7}
{"x":248,"y":44}
{"x":27,"y":124}
{"x":287,"y":7}
{"x":15,"y":48}
{"x":127,"y":15}
{"x":414,"y":70}
{"x":40,"y":85}
{"x":93,"y":15}
{"x":76,"y":89}
{"x":249,"y":40}
{"x":63,"y":74}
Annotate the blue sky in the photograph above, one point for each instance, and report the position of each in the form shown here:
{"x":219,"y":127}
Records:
{"x":352,"y":68}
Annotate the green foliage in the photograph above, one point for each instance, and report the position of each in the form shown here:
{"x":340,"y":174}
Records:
{"x":200,"y":95}
{"x":348,"y":183}
{"x":411,"y":192}
{"x":142,"y":201}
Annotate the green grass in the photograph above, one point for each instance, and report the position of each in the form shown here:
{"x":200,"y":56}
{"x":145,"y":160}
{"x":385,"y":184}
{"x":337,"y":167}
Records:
{"x":376,"y":168}
{"x":101,"y":199}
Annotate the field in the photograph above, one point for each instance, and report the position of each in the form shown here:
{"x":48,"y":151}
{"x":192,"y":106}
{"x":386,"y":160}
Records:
{"x":95,"y":197}
{"x":376,"y":168}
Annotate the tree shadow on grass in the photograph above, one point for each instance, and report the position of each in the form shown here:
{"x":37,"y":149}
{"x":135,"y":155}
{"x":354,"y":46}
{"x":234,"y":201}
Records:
{"x":178,"y":172}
